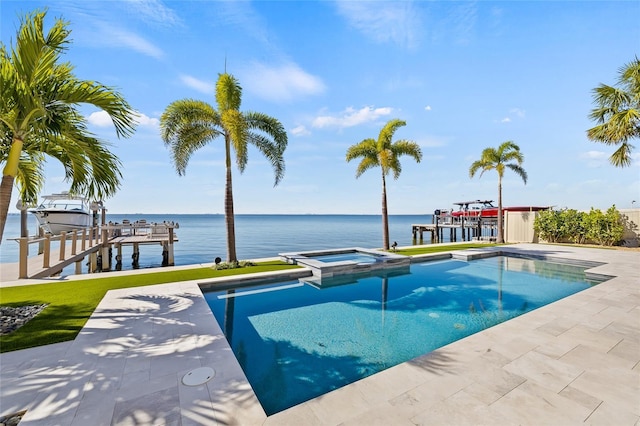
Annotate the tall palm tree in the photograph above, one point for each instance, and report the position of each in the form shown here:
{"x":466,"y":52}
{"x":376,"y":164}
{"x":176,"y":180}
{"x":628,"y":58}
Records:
{"x":384,"y":153}
{"x":618,"y":113}
{"x":498,"y":160}
{"x":39,"y":117}
{"x":187,"y":125}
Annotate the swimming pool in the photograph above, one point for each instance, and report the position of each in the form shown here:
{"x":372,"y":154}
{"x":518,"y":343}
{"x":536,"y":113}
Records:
{"x":296,"y":341}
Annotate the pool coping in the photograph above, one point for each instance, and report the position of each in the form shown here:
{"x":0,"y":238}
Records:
{"x":573,"y":360}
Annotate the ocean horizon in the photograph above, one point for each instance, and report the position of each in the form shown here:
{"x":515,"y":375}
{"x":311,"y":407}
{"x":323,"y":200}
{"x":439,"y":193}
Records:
{"x":202,"y":237}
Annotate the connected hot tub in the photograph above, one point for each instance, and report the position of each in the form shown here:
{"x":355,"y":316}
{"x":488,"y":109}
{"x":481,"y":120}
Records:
{"x":327,"y":263}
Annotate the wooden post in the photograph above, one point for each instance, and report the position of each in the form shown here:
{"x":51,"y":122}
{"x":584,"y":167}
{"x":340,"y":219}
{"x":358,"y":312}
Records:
{"x":171,"y":260}
{"x":46,"y":251}
{"x":63,"y":248}
{"x":24,"y":258}
{"x":74,"y":235}
{"x":106,"y":260}
{"x":84,"y":239}
{"x":93,"y":262}
{"x":41,"y":242}
{"x":462,"y":229}
{"x":79,"y":266}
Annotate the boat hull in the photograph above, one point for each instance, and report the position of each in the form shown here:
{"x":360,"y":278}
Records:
{"x":55,"y":222}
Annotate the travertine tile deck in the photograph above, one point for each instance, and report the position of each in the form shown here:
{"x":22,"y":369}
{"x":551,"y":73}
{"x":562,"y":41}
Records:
{"x":576,"y":361}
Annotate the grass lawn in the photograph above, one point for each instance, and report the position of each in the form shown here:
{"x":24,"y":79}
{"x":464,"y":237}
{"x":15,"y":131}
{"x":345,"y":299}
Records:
{"x":71,"y":303}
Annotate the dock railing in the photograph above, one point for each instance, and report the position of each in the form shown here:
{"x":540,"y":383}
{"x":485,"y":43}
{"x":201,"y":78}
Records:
{"x":82,"y":242}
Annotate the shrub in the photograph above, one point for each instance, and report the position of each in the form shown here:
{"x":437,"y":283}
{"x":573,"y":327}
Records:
{"x":233,"y":265}
{"x":574,"y":226}
{"x":548,"y":225}
{"x":579,"y":227}
{"x":605,"y":228}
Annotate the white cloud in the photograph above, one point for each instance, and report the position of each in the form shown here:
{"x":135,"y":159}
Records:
{"x":281,"y":83}
{"x":517,"y":112}
{"x":594,"y":158}
{"x":300,"y":131}
{"x":351,"y":117}
{"x":119,"y":37}
{"x":427,"y":108}
{"x":396,"y":22}
{"x":199,"y":85}
{"x":431,"y":142}
{"x":102,"y":119}
{"x":146,"y":121}
{"x":513,"y":113}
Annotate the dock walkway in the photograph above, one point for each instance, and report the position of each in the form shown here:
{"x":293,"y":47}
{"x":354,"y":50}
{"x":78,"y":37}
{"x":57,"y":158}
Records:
{"x":75,"y":247}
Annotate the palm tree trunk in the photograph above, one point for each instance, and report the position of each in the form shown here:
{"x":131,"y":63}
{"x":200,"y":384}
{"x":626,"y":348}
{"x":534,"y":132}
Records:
{"x":385,"y":217}
{"x":5,"y":199}
{"x":9,"y":174}
{"x":500,"y":230}
{"x":228,"y":209}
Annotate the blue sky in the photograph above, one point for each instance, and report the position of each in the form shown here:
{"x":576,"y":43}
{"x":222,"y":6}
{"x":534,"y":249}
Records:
{"x":463,"y":75}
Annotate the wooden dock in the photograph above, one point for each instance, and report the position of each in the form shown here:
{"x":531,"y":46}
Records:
{"x":469,"y":229}
{"x":96,"y":243}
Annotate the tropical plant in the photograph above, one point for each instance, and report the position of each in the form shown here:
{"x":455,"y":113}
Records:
{"x":549,"y":225}
{"x":605,"y":229}
{"x":39,"y":118}
{"x":574,"y":226}
{"x":498,"y":160}
{"x":384,"y":153}
{"x":579,"y":227}
{"x":187,"y":125}
{"x":617,"y":113}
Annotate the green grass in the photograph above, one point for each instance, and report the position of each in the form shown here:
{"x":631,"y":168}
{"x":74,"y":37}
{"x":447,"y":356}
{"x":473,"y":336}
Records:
{"x":71,"y":303}
{"x":439,"y":248}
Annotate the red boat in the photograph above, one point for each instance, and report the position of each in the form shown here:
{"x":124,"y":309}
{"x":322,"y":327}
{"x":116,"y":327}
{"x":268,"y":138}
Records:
{"x":485,"y":208}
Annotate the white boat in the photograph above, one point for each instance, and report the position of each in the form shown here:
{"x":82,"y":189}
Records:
{"x":63,"y":212}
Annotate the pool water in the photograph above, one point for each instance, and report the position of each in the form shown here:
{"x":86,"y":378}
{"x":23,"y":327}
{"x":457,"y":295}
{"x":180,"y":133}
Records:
{"x":297,"y":341}
{"x":350,"y":256}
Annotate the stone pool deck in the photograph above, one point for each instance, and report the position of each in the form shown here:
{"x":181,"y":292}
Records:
{"x":575,"y":361}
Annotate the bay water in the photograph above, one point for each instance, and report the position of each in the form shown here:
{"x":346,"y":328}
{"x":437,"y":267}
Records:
{"x":202,"y":237}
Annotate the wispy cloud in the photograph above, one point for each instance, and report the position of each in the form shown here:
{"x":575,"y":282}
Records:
{"x":300,"y":130}
{"x":199,"y":85}
{"x":281,"y":83}
{"x":154,"y":11}
{"x":513,"y":114}
{"x":351,"y":117}
{"x":594,"y":158}
{"x":114,"y":36}
{"x":395,"y":22}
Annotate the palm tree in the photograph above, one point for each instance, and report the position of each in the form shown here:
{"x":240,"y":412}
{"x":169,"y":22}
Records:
{"x":498,"y":159}
{"x":39,"y":118}
{"x":384,"y":153}
{"x":618,"y":113}
{"x":187,"y":125}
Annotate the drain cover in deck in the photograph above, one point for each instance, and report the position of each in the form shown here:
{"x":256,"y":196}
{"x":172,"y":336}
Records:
{"x":199,"y":376}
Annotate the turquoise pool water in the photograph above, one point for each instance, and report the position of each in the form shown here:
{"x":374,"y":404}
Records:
{"x":296,"y":341}
{"x":355,"y":256}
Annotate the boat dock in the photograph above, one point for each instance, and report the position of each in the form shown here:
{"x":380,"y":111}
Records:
{"x":97,"y":243}
{"x":469,"y":228}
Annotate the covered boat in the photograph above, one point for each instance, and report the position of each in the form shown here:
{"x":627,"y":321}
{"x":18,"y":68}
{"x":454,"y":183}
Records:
{"x":63,"y":212}
{"x":485,"y":208}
